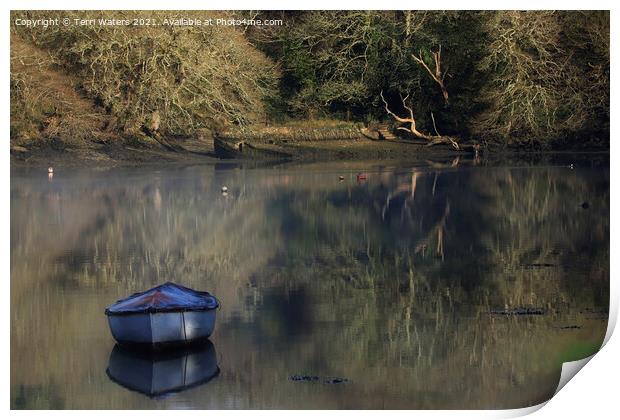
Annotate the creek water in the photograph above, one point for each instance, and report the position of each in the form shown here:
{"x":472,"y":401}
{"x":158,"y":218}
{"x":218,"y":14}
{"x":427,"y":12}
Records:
{"x":343,"y":285}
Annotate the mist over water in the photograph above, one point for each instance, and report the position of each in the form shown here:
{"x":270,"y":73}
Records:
{"x":388,"y":281}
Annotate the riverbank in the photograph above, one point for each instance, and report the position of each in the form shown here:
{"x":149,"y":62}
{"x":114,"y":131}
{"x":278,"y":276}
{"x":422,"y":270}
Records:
{"x":328,"y":140}
{"x":66,"y":127}
{"x":134,"y":152}
{"x":121,"y":151}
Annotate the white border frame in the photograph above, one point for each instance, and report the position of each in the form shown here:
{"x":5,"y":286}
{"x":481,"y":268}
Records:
{"x":592,"y":394}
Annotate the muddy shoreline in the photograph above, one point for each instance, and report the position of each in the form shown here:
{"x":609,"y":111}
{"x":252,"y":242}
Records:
{"x":147,"y":151}
{"x":121,"y":152}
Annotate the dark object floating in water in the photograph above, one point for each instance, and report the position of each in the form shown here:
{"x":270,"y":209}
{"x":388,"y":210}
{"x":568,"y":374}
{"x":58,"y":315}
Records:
{"x":570,"y":327}
{"x":596,"y":313}
{"x":165,"y":315}
{"x":156,"y":374}
{"x":599,"y":311}
{"x":341,"y":178}
{"x":519,"y":311}
{"x":585,"y":205}
{"x":317,"y":379}
{"x":305,"y":378}
{"x":335,"y":381}
{"x":538,"y":265}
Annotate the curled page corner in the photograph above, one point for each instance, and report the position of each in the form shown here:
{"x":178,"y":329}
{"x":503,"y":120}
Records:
{"x":612,"y":316}
{"x":520,"y":412}
{"x":570,"y":369}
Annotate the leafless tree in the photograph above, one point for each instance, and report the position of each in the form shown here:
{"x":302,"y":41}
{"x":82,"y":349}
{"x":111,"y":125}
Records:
{"x":437,"y":75}
{"x":432,"y":139}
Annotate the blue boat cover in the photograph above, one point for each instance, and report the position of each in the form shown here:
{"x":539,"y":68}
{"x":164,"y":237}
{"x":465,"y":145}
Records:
{"x":168,"y":297}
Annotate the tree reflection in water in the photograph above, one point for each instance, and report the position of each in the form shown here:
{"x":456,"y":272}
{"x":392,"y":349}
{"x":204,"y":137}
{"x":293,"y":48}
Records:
{"x":389,"y":283}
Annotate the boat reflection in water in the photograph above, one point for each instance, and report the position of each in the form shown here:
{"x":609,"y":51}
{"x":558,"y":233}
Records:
{"x":159,"y":373}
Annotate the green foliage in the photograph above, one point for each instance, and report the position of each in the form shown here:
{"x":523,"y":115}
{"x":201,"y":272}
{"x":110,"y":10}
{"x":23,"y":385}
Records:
{"x":334,"y":62}
{"x":531,"y":77}
{"x":329,"y":60}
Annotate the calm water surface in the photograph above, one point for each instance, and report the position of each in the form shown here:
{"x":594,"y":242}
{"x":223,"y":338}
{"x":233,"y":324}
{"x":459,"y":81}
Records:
{"x":387,"y":282}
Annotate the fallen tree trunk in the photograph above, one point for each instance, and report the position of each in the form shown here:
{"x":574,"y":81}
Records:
{"x":432,"y":139}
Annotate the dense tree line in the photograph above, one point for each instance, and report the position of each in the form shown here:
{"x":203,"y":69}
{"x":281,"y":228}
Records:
{"x":538,"y":78}
{"x":529,"y":77}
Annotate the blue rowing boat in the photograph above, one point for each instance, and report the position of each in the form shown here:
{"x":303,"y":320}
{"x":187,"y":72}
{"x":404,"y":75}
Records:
{"x":166,"y":315}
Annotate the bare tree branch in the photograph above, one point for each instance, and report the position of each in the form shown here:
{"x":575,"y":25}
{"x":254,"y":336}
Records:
{"x":434,"y":125}
{"x":438,"y":76}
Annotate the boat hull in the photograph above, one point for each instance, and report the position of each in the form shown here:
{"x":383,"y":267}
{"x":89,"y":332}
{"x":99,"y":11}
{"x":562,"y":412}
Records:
{"x":159,"y":329}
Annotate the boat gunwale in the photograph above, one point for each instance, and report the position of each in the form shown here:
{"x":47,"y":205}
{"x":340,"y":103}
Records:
{"x":161,"y":310}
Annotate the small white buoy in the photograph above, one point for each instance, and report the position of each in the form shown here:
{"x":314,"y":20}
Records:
{"x":571,"y":166}
{"x":224,"y":189}
{"x":341,"y":178}
{"x":50,"y":170}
